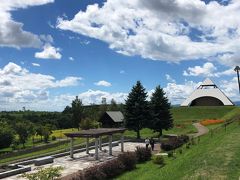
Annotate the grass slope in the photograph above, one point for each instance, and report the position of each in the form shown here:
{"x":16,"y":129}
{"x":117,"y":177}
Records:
{"x":216,"y":157}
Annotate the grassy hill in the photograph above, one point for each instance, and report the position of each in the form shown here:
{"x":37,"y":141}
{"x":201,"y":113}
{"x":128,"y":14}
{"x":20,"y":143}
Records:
{"x":216,"y":157}
{"x":199,"y":113}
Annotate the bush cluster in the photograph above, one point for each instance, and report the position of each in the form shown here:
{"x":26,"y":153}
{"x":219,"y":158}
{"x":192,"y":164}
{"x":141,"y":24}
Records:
{"x":158,"y":160}
{"x":129,"y":160}
{"x":174,"y":143}
{"x":143,"y":154}
{"x":107,"y":170}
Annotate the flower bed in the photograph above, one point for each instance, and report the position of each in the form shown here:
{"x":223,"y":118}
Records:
{"x":207,"y":122}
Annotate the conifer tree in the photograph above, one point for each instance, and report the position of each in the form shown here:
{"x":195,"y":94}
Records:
{"x":161,"y":117}
{"x":136,"y":110}
{"x":77,"y":110}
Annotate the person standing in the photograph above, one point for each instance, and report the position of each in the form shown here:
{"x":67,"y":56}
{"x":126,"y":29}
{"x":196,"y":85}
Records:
{"x":152,"y":143}
{"x":147,"y":142}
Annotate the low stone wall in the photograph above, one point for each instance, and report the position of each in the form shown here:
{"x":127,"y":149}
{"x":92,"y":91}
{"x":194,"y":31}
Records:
{"x":20,"y":170}
{"x":30,"y":150}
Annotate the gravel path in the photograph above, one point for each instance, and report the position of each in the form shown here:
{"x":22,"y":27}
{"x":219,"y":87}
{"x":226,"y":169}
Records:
{"x":201,"y":130}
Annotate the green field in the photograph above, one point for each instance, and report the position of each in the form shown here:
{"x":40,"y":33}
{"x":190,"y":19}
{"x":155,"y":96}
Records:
{"x":183,"y":119}
{"x":215,"y":157}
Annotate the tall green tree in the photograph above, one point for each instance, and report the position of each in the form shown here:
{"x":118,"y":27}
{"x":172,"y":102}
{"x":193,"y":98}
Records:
{"x":136,"y":112}
{"x":113,"y":106}
{"x":77,"y":110}
{"x":6,"y":135}
{"x":23,"y":132}
{"x":161,"y":117}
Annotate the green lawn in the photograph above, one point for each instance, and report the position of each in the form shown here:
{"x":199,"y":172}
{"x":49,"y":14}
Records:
{"x":216,"y":157}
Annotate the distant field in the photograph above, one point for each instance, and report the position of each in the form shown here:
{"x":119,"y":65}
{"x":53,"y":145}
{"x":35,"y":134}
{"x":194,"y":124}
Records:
{"x":216,"y":157}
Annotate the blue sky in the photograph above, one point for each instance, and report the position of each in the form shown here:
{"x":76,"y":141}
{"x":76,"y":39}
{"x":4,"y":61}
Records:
{"x":53,"y":50}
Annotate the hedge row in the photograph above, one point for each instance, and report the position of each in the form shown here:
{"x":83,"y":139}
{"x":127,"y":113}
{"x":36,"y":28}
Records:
{"x":174,"y":143}
{"x":107,"y":170}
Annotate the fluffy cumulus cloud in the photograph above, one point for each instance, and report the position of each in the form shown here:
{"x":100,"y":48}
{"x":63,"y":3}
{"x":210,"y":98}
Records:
{"x":49,"y":52}
{"x":173,"y":30}
{"x":95,"y":96}
{"x":11,"y":32}
{"x":103,"y":83}
{"x":207,"y":70}
{"x":19,"y":85}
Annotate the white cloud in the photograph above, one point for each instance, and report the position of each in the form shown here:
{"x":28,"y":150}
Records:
{"x":17,"y":84}
{"x":95,"y":96}
{"x":103,"y":83}
{"x":207,"y":70}
{"x":71,"y":58}
{"x":173,"y":30}
{"x":11,"y":32}
{"x":36,"y":64}
{"x":177,"y":93}
{"x":49,"y":52}
{"x":169,"y":78}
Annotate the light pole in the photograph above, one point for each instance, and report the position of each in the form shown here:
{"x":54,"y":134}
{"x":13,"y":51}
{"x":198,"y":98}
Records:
{"x":237,"y":69}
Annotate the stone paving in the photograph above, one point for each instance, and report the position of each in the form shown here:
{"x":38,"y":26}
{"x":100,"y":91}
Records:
{"x":82,"y":160}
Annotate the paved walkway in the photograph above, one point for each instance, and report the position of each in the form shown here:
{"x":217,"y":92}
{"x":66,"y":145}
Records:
{"x":201,"y":130}
{"x":82,"y":160}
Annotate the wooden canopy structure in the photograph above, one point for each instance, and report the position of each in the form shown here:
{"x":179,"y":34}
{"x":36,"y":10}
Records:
{"x":97,"y":134}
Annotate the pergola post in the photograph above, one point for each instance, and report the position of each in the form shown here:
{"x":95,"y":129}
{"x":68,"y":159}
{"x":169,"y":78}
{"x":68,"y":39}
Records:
{"x":110,"y":144}
{"x":71,"y":147}
{"x":87,"y":145}
{"x":100,"y":142}
{"x":96,"y":148}
{"x":122,"y":143}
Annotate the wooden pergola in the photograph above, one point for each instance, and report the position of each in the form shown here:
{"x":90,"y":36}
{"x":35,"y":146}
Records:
{"x":97,"y":134}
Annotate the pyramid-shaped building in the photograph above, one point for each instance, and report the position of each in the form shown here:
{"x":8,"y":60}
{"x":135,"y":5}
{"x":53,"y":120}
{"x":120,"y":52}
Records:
{"x":207,"y":94}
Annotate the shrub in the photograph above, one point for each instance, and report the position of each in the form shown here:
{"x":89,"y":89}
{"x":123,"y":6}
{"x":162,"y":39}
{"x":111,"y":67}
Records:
{"x":143,"y":154}
{"x":88,"y":124}
{"x":170,"y":154}
{"x":6,"y":135}
{"x":128,"y":159}
{"x":112,"y":168}
{"x":44,"y":174}
{"x":174,"y":143}
{"x":158,"y":160}
{"x":91,"y":173}
{"x":54,"y":138}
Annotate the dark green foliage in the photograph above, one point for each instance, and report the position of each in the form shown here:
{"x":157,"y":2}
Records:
{"x":23,"y":131}
{"x":136,"y":110}
{"x":161,"y":117}
{"x":6,"y":135}
{"x":174,"y":143}
{"x":113,"y":106}
{"x":158,"y":160}
{"x":54,"y":138}
{"x":77,"y":110}
{"x":47,"y":131}
{"x":88,"y":124}
{"x":128,"y":159}
{"x":170,"y":154}
{"x":143,"y":154}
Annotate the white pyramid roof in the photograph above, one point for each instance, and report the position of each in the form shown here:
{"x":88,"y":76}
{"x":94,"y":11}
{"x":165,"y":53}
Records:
{"x":212,"y":91}
{"x":207,"y":82}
